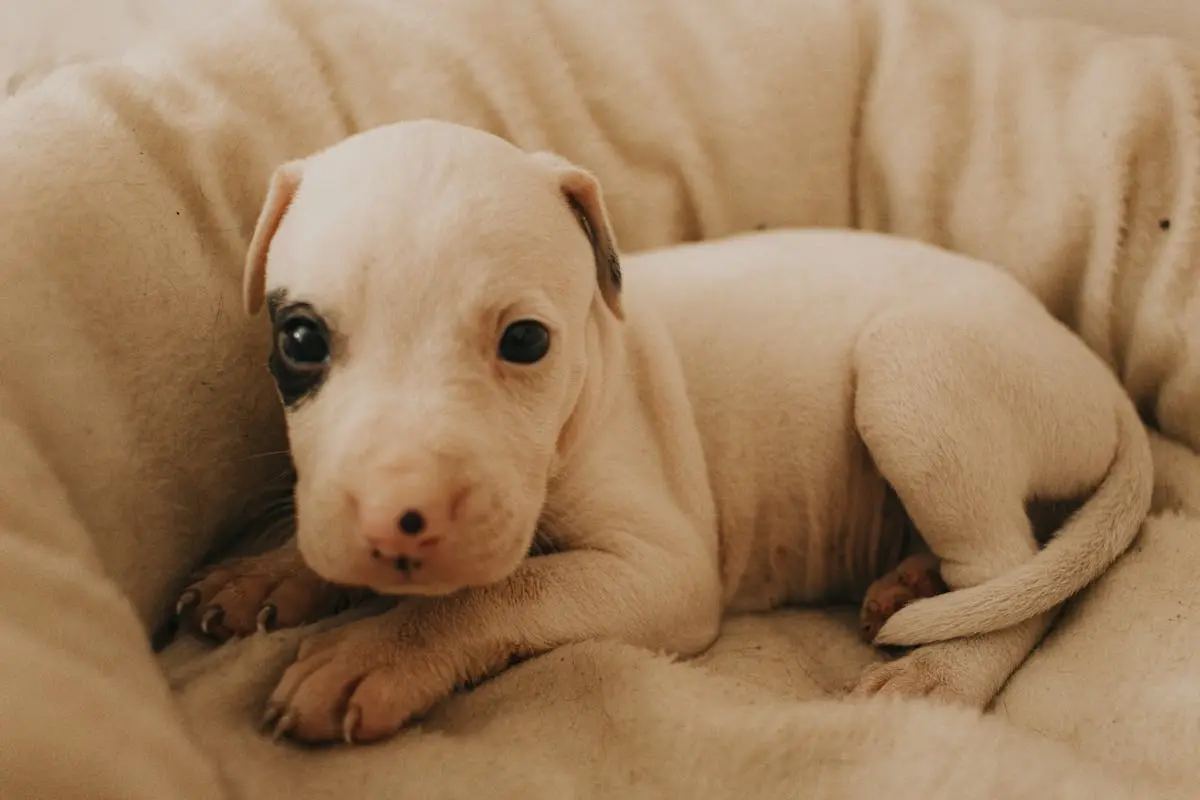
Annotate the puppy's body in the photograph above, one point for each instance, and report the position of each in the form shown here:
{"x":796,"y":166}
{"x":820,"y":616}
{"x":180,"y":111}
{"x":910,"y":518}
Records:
{"x":765,"y":334}
{"x":802,"y":515}
{"x":787,"y":340}
{"x":462,"y":365}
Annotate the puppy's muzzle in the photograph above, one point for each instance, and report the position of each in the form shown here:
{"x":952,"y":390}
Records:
{"x":403,"y":516}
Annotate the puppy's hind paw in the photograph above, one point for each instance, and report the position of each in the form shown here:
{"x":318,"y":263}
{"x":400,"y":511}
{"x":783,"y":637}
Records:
{"x":913,"y":578}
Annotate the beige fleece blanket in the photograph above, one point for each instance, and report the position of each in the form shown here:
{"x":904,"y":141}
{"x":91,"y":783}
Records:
{"x":135,"y":413}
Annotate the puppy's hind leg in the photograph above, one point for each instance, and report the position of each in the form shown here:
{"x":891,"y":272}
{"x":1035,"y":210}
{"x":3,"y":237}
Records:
{"x":929,"y":410}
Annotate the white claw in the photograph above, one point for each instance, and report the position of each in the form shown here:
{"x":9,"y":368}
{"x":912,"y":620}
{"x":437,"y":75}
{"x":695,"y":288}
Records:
{"x":271,"y":716}
{"x":214,"y":614}
{"x":186,"y":601}
{"x":265,"y":618}
{"x":285,"y":724}
{"x":350,"y":723}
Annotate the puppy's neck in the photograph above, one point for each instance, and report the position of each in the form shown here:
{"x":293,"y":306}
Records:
{"x":606,"y":358}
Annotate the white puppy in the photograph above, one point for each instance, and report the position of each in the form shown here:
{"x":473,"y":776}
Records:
{"x":747,"y":423}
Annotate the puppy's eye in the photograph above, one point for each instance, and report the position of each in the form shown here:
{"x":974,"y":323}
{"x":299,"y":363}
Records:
{"x":525,"y":341}
{"x":303,"y":343}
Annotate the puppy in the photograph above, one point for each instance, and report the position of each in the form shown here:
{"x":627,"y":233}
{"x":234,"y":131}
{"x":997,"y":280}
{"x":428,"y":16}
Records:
{"x":770,"y":419}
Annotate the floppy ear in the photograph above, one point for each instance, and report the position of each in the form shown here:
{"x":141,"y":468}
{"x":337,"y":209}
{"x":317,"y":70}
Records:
{"x":584,"y":197}
{"x":282,"y":189}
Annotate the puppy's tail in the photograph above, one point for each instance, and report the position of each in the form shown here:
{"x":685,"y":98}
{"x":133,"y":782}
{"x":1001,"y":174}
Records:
{"x":1086,"y":545}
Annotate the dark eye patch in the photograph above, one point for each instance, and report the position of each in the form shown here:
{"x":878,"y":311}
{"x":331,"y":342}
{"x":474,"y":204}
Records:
{"x":301,"y":349}
{"x":276,"y":299}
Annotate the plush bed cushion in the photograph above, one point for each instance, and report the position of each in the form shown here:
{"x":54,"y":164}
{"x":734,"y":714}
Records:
{"x":37,"y":37}
{"x":129,"y":189}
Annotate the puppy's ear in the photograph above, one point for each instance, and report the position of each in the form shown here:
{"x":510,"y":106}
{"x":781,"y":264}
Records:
{"x":583,"y":196}
{"x":282,"y":189}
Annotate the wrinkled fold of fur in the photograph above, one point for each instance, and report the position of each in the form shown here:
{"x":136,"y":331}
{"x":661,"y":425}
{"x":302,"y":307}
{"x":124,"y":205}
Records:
{"x":136,"y":415}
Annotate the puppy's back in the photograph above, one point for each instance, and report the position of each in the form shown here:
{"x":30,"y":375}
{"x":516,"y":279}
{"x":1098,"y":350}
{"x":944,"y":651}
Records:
{"x":766,"y":327}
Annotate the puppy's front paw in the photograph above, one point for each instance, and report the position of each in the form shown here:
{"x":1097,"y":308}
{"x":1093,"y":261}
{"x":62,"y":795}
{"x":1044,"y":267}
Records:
{"x":358,"y":683}
{"x":913,"y":578}
{"x":259,"y":593}
{"x":924,"y":672}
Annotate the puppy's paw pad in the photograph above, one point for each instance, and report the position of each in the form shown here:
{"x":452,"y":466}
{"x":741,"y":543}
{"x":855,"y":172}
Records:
{"x":913,"y":578}
{"x":242,"y":596}
{"x":922,"y":574}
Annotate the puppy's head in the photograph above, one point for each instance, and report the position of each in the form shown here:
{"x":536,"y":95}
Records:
{"x":435,"y":296}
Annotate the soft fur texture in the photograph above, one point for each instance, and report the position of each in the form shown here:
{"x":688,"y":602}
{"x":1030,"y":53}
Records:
{"x":135,"y":410}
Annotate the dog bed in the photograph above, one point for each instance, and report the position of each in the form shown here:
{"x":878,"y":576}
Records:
{"x":136,"y":415}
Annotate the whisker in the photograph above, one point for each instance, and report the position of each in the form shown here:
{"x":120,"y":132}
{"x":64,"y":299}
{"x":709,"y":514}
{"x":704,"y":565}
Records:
{"x":286,"y":477}
{"x":266,"y":455}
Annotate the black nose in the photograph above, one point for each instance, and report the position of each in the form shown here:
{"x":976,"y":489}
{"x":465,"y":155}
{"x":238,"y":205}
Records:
{"x":411,"y":522}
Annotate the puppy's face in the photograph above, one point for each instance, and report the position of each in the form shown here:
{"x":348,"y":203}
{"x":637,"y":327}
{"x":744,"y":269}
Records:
{"x":434,"y":294}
